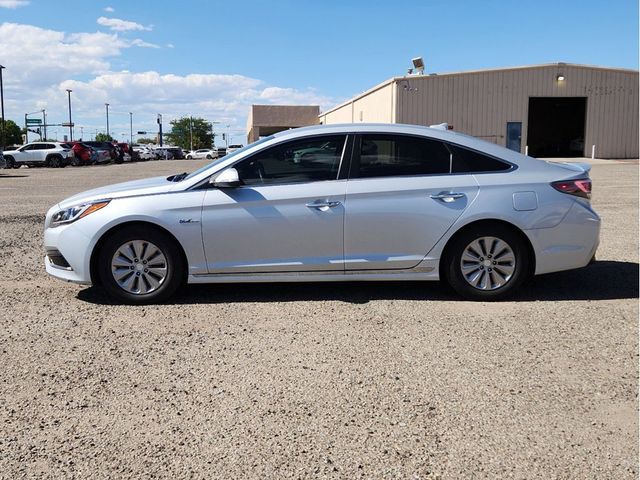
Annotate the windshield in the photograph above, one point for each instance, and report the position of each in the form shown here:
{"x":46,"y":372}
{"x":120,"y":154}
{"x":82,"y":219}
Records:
{"x":227,"y":157}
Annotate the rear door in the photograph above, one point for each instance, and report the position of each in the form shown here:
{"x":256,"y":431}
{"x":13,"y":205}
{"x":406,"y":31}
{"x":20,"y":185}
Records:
{"x":401,"y":199}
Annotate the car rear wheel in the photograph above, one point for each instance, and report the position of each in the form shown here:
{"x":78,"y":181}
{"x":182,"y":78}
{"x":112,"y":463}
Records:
{"x":140,"y":266}
{"x":487,"y":263}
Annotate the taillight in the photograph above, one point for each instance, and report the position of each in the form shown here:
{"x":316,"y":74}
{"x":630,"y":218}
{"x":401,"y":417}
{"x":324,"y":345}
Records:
{"x":579,"y":188}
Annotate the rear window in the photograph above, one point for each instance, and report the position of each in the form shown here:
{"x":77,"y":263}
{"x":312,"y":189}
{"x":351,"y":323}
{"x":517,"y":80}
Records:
{"x":467,"y":161}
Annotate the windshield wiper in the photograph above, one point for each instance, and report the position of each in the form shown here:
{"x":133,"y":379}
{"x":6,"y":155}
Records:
{"x":177,"y":177}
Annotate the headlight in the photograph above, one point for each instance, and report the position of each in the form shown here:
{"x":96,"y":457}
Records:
{"x":71,"y":214}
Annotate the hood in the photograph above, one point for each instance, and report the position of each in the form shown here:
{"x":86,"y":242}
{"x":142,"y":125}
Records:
{"x":146,"y":186}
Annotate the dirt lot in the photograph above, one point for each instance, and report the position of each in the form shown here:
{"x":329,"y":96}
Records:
{"x":389,"y":380}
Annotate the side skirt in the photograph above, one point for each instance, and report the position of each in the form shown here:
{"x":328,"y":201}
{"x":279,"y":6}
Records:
{"x":316,"y":277}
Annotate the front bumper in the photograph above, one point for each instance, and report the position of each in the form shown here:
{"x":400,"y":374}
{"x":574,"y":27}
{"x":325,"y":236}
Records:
{"x":70,"y":243}
{"x":570,"y":244}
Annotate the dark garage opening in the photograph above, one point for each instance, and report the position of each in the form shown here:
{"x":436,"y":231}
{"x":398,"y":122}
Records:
{"x":556,"y":126}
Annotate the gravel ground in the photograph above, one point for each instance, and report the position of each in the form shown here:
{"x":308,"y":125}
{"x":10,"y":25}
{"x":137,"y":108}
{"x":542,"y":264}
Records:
{"x":387,"y":380}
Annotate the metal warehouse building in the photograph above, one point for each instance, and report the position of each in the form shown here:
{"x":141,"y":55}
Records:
{"x":553,"y":110}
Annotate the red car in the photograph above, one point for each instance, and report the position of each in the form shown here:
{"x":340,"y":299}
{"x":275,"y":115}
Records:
{"x":82,"y":154}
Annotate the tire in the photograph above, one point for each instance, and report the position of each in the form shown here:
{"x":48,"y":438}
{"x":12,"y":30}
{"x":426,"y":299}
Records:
{"x":9,"y":163}
{"x":189,"y":157}
{"x":75,"y":161}
{"x":496,"y":262}
{"x":209,"y":157}
{"x":161,"y":280}
{"x":54,"y":161}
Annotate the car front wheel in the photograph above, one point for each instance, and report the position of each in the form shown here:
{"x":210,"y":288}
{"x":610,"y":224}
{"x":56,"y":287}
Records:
{"x":487,"y":263}
{"x":140,"y":265}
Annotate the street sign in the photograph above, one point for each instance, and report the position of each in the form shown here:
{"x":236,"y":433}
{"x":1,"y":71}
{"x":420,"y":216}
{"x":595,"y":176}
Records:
{"x":142,"y":133}
{"x":68,"y":124}
{"x":34,"y":121}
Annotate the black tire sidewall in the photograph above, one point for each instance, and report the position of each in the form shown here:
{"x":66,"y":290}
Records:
{"x":175,"y":264}
{"x":456,"y":280}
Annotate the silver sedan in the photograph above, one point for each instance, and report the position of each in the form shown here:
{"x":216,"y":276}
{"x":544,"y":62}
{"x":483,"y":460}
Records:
{"x":370,"y":202}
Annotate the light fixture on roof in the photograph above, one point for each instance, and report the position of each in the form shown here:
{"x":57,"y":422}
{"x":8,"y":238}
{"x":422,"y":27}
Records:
{"x":560,"y":77}
{"x":418,"y":65}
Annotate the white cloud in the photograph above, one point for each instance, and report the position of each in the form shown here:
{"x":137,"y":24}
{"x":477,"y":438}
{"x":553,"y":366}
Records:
{"x":37,"y":77}
{"x":170,"y":45}
{"x":119,"y":25}
{"x":36,"y":56}
{"x":13,"y":3}
{"x":141,"y":43}
{"x":224,"y":98}
{"x":109,"y":9}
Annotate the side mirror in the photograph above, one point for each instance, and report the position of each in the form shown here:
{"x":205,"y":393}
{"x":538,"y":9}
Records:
{"x":227,"y":179}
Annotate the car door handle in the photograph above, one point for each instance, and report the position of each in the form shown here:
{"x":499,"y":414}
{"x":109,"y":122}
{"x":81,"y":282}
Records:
{"x":447,"y":197}
{"x":323,"y":205}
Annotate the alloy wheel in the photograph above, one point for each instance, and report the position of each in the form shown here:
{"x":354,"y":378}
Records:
{"x":488,"y":263}
{"x":139,"y":267}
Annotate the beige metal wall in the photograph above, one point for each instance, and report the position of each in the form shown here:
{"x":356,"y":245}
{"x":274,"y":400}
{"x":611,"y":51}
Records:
{"x":481,"y":103}
{"x":377,"y":106}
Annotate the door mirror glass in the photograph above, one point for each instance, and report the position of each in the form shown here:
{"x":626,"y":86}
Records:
{"x":227,"y":179}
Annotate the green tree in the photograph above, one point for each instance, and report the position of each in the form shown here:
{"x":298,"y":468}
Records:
{"x":184,"y":128}
{"x":146,"y":141}
{"x":13,"y":133}
{"x":103,"y":137}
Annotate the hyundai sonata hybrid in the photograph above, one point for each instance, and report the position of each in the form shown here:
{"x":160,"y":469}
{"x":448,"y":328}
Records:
{"x":371,"y":202}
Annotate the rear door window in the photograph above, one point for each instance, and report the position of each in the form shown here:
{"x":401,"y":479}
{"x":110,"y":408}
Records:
{"x":384,"y":155}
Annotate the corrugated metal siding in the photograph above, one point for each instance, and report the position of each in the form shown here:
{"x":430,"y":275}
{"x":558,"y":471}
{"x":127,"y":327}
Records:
{"x":481,"y":103}
{"x":377,"y":106}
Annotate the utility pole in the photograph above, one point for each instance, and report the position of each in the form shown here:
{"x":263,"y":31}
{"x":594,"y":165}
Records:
{"x":2,"y":144}
{"x":160,"y":128}
{"x":44,"y":123}
{"x":26,"y":129}
{"x":70,"y":123}
{"x":107,"y":107}
{"x":130,"y":128}
{"x":191,"y":132}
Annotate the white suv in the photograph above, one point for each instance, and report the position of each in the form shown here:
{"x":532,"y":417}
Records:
{"x":48,"y":154}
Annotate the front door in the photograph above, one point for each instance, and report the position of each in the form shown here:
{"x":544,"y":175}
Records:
{"x":288,"y":214}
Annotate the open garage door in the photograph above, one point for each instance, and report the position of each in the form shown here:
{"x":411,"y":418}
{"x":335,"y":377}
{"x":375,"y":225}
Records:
{"x":556,"y":126}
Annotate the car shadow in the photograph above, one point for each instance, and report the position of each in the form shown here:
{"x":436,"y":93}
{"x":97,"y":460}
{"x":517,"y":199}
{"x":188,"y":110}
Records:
{"x":604,"y":280}
{"x":7,"y":175}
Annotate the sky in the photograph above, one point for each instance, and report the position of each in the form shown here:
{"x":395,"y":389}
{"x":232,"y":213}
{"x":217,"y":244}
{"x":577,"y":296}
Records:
{"x":214,"y":59}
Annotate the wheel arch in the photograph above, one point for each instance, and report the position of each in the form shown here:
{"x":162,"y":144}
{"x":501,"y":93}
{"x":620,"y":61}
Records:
{"x":487,"y":223}
{"x":93,"y":270}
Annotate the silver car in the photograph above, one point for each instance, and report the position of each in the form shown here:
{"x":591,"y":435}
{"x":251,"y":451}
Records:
{"x":333,"y":203}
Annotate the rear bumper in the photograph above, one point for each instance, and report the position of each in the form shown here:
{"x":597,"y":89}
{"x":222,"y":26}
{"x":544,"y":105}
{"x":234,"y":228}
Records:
{"x":569,"y":245}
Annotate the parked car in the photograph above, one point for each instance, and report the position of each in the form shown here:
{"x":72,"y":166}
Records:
{"x":398,"y":202}
{"x":221,"y":152}
{"x":105,"y":151}
{"x":233,"y":148}
{"x":39,"y":154}
{"x":176,"y":153}
{"x":144,"y":153}
{"x":203,"y":153}
{"x":82,"y":154}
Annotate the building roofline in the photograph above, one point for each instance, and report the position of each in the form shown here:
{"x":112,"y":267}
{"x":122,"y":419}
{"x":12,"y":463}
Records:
{"x":467,"y":72}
